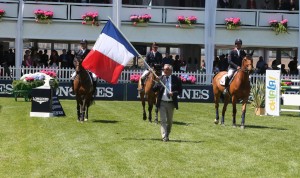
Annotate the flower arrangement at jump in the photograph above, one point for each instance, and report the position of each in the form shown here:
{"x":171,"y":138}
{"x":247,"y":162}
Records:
{"x":188,"y":79}
{"x":279,"y":26}
{"x":282,"y":90}
{"x":2,"y":12}
{"x":90,"y":18}
{"x":135,"y":78}
{"x":140,"y":20}
{"x":42,"y":78}
{"x":186,"y":21}
{"x":233,"y":23}
{"x":42,"y":16}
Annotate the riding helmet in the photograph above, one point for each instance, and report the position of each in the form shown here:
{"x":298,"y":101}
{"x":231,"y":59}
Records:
{"x":83,"y":41}
{"x":238,"y":40}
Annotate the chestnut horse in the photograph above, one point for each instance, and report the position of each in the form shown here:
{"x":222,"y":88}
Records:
{"x":83,"y":88}
{"x":147,"y":94}
{"x":238,"y":89}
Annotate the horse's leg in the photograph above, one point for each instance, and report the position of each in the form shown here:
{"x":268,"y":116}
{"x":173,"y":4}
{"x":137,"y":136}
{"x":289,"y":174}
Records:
{"x":244,"y":105}
{"x":226,"y":101}
{"x":217,"y":100}
{"x":78,"y":111}
{"x":82,"y":110}
{"x":142,"y":95}
{"x":234,"y":100}
{"x":86,"y":114}
{"x":156,"y":115}
{"x":150,"y":107}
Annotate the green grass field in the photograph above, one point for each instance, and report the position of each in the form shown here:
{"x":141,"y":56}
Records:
{"x":116,"y":142}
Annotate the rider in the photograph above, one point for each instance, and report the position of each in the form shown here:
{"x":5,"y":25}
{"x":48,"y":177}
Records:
{"x":235,"y":58}
{"x":153,"y":57}
{"x":80,"y":55}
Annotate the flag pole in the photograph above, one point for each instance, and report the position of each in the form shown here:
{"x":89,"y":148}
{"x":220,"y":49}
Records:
{"x":148,"y":67}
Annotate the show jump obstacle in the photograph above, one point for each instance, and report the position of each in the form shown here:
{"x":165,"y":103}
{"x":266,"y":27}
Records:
{"x":273,"y":94}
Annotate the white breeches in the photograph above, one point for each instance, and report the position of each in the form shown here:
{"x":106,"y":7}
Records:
{"x":93,"y":76}
{"x":145,"y":73}
{"x":231,"y":72}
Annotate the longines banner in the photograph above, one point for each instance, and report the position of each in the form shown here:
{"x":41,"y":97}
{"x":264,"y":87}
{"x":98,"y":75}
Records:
{"x":121,"y":92}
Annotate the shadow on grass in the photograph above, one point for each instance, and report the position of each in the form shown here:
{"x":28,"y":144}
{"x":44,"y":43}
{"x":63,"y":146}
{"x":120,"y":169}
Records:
{"x":180,"y":123}
{"x":106,"y":121}
{"x":157,"y":139}
{"x":264,"y":127}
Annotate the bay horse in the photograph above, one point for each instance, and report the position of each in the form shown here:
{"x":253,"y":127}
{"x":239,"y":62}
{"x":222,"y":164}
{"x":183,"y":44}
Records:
{"x":147,"y":94}
{"x":238,"y":89}
{"x":83,"y":89}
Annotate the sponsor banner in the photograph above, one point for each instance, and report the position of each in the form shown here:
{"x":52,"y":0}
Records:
{"x":41,"y":100}
{"x":57,"y":108}
{"x":122,"y":92}
{"x":272,"y":99}
{"x":190,"y":93}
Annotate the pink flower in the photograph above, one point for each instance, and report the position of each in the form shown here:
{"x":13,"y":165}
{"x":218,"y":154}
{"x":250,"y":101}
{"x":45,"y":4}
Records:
{"x":140,"y":18}
{"x":90,"y":17}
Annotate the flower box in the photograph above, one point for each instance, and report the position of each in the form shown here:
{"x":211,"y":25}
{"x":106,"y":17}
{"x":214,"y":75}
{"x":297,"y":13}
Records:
{"x":233,"y":23}
{"x":27,"y":82}
{"x":140,"y":20}
{"x":90,"y":18}
{"x":2,"y":12}
{"x":42,"y":16}
{"x":186,"y":22}
{"x":134,"y":78}
{"x":279,"y":26}
{"x":187,"y":79}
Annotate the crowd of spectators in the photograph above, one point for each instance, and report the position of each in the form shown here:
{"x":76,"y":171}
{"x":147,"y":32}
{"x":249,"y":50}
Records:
{"x":35,"y":58}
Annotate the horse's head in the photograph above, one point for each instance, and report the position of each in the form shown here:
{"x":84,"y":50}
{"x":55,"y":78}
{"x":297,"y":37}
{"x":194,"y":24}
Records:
{"x":78,"y":66}
{"x":247,"y":63}
{"x":157,"y":69}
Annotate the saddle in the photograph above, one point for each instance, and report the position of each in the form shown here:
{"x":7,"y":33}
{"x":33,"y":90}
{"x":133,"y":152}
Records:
{"x":222,"y":80}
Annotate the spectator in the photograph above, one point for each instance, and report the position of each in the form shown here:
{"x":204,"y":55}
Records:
{"x":293,"y":66}
{"x":263,"y":70}
{"x":251,"y":4}
{"x":275,"y":64}
{"x":283,"y":71}
{"x":71,"y":58}
{"x":64,"y":59}
{"x":168,"y":60}
{"x":266,"y":5}
{"x":54,"y":59}
{"x":176,"y":67}
{"x":223,"y":64}
{"x":27,"y":59}
{"x":260,"y":64}
{"x":45,"y":58}
{"x":216,"y":68}
{"x":224,"y":3}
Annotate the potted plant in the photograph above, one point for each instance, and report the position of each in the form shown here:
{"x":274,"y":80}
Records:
{"x":2,"y":12}
{"x":186,"y":22}
{"x":258,"y":94}
{"x":90,"y":18}
{"x":233,"y":23}
{"x":279,"y":26}
{"x":140,"y":20}
{"x":42,"y":16}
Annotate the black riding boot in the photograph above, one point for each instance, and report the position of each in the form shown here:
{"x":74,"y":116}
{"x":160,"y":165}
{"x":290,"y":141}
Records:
{"x":72,"y":87}
{"x":226,"y":85}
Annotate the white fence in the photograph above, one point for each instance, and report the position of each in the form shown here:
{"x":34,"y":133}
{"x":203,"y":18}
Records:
{"x":63,"y":74}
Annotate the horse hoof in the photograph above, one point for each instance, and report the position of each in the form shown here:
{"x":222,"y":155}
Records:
{"x":85,"y":119}
{"x":216,"y":121}
{"x":156,"y":121}
{"x":222,"y":124}
{"x":242,"y":127}
{"x":234,"y":125}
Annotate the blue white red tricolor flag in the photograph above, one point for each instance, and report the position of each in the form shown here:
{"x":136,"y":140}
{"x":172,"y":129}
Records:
{"x":110,"y":54}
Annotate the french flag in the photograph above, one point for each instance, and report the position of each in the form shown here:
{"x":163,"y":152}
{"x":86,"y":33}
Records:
{"x":110,"y":54}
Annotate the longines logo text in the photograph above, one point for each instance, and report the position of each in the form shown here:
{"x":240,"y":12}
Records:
{"x":40,"y":99}
{"x":195,"y":94}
